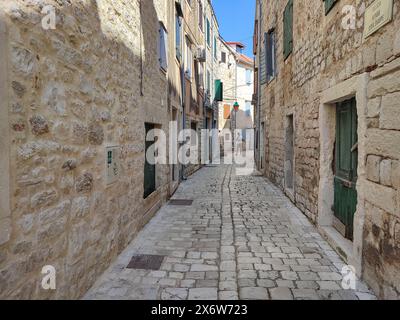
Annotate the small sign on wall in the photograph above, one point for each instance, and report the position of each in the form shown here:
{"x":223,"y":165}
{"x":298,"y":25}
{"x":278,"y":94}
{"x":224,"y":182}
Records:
{"x":112,"y":164}
{"x":378,"y":14}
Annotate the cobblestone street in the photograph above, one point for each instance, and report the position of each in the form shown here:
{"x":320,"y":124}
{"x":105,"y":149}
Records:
{"x":240,"y":239}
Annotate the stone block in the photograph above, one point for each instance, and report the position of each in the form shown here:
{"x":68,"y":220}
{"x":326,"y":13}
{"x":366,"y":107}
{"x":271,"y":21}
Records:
{"x":57,"y":213}
{"x":374,"y":107}
{"x":281,"y":294}
{"x":203,"y":294}
{"x":373,"y":168}
{"x":390,"y":112}
{"x":396,"y":174}
{"x":253,"y":293}
{"x":386,"y":172}
{"x":381,"y":196}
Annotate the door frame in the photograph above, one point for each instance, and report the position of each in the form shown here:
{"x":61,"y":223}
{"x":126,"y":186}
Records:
{"x":356,"y":87}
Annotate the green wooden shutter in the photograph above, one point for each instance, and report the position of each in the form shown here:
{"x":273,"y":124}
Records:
{"x":329,"y":5}
{"x":288,"y":30}
{"x":219,"y":92}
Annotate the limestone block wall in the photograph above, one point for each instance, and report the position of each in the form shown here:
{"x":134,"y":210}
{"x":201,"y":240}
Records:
{"x":325,"y":55}
{"x":68,"y":93}
{"x":382,"y":204}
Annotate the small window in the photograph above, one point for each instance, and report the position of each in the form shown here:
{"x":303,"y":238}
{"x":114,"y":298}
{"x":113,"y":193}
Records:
{"x":178,"y":37}
{"x":163,"y":47}
{"x":288,"y":30}
{"x":248,"y":77}
{"x":248,"y":108}
{"x":200,"y":78}
{"x":270,"y":55}
{"x":223,"y":57}
{"x":329,"y":4}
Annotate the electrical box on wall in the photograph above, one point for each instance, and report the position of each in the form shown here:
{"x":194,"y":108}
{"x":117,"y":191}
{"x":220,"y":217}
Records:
{"x":112,"y":164}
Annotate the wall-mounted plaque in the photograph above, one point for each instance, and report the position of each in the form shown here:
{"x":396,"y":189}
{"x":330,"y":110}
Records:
{"x":378,"y":14}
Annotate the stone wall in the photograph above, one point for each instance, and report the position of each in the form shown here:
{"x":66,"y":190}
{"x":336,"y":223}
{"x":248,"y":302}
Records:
{"x":382,"y":205}
{"x":71,"y":92}
{"x":325,"y":55}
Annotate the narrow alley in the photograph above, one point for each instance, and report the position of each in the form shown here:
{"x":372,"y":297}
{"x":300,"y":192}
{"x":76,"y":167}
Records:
{"x":241,"y":238}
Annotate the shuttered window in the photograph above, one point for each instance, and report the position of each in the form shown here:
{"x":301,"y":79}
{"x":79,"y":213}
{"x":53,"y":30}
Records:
{"x":215,"y":47}
{"x":163,"y":47}
{"x":227,"y":111}
{"x":263,"y":61}
{"x":219,"y":91}
{"x":329,"y":5}
{"x":178,"y":37}
{"x":270,"y":55}
{"x":288,"y":30}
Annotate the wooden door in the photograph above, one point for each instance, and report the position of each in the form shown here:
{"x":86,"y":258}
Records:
{"x":346,"y":156}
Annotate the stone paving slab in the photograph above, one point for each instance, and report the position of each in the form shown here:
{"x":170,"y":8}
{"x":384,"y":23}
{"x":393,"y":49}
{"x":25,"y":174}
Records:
{"x":240,"y":239}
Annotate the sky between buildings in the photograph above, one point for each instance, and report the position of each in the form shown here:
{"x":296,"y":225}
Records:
{"x":236,"y":21}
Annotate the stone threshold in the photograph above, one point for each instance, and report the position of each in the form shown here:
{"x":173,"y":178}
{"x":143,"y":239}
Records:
{"x":342,"y":246}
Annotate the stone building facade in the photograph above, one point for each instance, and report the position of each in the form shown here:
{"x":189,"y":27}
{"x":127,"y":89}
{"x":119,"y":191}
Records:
{"x":67,"y":95}
{"x":312,"y":60}
{"x":227,"y":72}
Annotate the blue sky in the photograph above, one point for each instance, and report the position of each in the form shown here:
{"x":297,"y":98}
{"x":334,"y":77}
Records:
{"x":236,"y":21}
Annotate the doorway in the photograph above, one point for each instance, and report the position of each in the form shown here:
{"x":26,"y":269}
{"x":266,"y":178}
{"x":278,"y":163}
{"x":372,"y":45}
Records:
{"x":289,"y":154}
{"x":149,"y":165}
{"x":262,"y":149}
{"x":345,"y":167}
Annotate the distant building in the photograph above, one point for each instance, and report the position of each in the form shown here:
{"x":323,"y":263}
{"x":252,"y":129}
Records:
{"x":238,"y":72}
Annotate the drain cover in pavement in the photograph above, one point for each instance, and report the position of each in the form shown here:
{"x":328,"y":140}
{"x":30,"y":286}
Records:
{"x":146,"y":261}
{"x":180,"y":202}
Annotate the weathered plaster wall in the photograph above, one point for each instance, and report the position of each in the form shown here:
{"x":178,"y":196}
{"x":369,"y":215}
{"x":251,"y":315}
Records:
{"x":72,"y":91}
{"x":325,"y":55}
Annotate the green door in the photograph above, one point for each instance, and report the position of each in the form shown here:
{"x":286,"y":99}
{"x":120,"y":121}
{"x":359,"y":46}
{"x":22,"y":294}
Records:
{"x":346,"y":156}
{"x":149,"y":169}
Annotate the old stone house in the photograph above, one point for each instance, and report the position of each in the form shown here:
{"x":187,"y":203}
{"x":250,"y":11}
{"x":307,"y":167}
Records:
{"x":328,"y":123}
{"x":237,"y":73}
{"x":227,"y":72}
{"x":77,"y":100}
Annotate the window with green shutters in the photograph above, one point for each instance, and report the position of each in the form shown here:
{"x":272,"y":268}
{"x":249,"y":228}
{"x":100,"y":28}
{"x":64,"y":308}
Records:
{"x":215,"y":47}
{"x":288,"y":29}
{"x":219,"y":90}
{"x":329,"y":5}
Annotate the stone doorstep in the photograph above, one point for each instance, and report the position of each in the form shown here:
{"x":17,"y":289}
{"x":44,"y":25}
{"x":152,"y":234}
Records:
{"x":342,"y":246}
